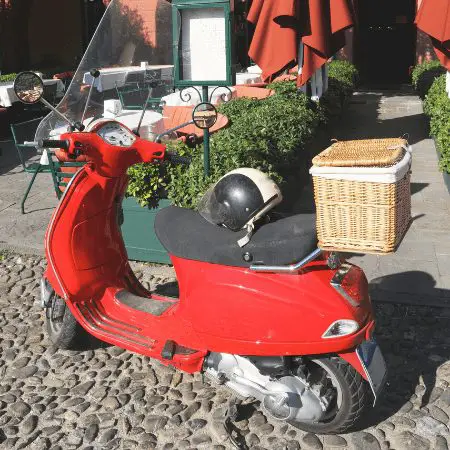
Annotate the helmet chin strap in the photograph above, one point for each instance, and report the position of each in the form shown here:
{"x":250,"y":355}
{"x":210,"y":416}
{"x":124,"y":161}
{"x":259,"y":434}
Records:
{"x":250,"y":227}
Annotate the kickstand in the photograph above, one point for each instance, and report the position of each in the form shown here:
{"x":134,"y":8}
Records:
{"x":231,"y":416}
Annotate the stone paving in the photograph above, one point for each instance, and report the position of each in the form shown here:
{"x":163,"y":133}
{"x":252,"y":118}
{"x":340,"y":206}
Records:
{"x":109,"y":398}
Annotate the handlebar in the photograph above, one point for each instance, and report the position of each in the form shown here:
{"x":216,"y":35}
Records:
{"x":48,"y":143}
{"x":54,"y":143}
{"x":177,"y":159}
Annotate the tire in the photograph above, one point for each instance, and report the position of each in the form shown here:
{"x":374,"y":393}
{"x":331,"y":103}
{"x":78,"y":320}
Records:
{"x":62,"y":327}
{"x":356,"y":397}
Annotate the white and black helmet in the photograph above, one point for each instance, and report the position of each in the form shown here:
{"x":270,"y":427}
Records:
{"x":239,"y":199}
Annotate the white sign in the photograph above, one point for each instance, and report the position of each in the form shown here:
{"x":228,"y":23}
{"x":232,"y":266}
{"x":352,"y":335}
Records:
{"x":203,"y":44}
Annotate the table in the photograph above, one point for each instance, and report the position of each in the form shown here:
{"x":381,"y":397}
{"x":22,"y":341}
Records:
{"x":254,"y":69}
{"x":116,"y":76}
{"x":8,"y":96}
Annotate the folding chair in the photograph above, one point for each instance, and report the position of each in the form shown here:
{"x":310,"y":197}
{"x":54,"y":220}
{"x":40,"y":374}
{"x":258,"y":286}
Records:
{"x":25,"y":131}
{"x":137,"y":96}
{"x":60,"y":171}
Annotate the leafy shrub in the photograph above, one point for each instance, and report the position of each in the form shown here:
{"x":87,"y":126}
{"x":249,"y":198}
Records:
{"x":267,"y":134}
{"x":342,"y":80}
{"x":437,"y":107}
{"x":148,"y":182}
{"x":344,"y":72}
{"x":7,"y":77}
{"x":423,"y":76}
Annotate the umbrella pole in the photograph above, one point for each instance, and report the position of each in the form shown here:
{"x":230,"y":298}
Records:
{"x":206,"y":164}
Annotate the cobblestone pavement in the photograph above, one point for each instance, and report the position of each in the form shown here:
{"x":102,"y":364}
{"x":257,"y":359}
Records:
{"x":109,"y":398}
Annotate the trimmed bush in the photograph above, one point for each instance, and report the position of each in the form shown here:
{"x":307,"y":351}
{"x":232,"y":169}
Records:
{"x":344,"y":73}
{"x":437,"y":107}
{"x":423,"y":76}
{"x":7,"y":77}
{"x":268,"y":134}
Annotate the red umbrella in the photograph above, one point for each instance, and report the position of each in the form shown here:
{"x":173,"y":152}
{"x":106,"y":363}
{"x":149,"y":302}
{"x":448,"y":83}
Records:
{"x":433,"y":18}
{"x":280,"y":24}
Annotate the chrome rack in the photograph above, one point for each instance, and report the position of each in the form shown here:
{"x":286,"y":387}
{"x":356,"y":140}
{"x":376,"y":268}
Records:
{"x":288,"y":269}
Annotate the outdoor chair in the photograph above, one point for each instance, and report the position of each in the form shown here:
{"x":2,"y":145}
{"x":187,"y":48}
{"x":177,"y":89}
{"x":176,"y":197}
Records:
{"x":25,"y":131}
{"x":135,"y":96}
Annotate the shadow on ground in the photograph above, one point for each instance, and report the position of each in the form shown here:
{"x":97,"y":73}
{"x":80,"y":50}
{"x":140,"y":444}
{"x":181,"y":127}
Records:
{"x":415,"y":343}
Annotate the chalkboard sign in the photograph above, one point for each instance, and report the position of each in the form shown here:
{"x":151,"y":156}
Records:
{"x":203,"y":34}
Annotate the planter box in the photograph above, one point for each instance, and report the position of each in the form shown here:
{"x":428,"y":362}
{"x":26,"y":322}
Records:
{"x":138,"y":231}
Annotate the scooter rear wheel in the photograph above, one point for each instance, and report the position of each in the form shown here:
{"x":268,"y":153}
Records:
{"x":353,"y":397}
{"x":62,"y":327}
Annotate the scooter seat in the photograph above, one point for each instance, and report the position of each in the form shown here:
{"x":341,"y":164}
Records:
{"x":186,"y":234}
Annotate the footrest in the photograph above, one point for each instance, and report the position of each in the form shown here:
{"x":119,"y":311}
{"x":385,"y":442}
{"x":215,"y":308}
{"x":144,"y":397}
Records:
{"x":144,"y":304}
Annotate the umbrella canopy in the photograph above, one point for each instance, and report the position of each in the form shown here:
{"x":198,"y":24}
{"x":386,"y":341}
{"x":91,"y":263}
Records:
{"x":281,"y":24}
{"x":433,"y":18}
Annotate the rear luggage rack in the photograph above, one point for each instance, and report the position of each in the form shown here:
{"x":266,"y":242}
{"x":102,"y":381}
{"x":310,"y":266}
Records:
{"x":293,"y":268}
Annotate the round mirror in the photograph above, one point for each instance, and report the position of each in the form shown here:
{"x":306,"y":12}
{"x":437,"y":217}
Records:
{"x":28,"y":87}
{"x":204,"y":115}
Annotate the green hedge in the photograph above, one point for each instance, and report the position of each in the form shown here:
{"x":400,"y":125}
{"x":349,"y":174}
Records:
{"x":423,"y":76}
{"x":437,"y":107}
{"x":268,"y":134}
{"x":8,"y":77}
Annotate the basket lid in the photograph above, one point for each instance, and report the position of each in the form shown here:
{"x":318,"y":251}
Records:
{"x":363,"y":153}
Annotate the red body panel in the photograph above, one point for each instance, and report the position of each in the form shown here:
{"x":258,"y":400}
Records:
{"x":221,"y":308}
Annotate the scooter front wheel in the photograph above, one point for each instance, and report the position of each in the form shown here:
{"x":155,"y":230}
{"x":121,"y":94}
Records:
{"x":350,"y":392}
{"x":62,"y":327}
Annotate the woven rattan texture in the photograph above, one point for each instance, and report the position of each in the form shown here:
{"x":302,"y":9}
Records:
{"x":362,"y":216}
{"x":362,"y":153}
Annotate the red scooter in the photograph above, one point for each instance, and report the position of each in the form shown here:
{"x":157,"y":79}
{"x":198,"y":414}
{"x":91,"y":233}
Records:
{"x":277,"y":319}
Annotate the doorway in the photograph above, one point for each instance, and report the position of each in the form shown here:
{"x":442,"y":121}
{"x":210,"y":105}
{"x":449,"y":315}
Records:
{"x":385,"y":41}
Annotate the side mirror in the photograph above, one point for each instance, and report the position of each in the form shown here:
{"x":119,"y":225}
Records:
{"x":204,"y":115}
{"x":29,"y":87}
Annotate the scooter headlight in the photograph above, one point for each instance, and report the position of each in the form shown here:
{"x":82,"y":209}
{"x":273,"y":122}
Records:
{"x":343,"y":327}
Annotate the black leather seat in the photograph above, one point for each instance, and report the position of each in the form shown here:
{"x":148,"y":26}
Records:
{"x":186,"y":234}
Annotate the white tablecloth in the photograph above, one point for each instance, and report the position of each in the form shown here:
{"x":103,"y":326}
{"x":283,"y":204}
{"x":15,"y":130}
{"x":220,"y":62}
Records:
{"x":248,"y":78}
{"x":8,"y":96}
{"x":116,"y":76}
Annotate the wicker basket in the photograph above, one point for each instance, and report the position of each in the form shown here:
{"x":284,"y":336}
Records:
{"x":364,"y":206}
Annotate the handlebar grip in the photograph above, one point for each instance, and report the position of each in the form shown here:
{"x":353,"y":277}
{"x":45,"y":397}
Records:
{"x":54,"y":143}
{"x":177,"y":159}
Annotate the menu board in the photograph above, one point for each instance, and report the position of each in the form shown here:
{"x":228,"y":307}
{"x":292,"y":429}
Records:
{"x":203,"y":45}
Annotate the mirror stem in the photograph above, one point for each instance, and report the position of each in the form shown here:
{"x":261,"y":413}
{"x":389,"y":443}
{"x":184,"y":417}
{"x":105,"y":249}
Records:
{"x":61,"y":115}
{"x":144,"y":110}
{"x":171,"y":130}
{"x":86,"y":106}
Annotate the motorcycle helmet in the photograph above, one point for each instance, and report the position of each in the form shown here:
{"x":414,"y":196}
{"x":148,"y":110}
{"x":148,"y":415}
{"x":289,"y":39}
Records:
{"x":239,"y":199}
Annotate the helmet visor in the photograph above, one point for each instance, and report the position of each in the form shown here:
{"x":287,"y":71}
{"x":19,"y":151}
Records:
{"x":210,"y":208}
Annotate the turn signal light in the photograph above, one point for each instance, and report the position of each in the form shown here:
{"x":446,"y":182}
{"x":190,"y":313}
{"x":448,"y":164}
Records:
{"x":343,"y":327}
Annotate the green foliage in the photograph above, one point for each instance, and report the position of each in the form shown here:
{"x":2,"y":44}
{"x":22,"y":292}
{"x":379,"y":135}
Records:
{"x":437,"y":107}
{"x":148,"y":181}
{"x":344,"y":73}
{"x":420,"y":69}
{"x":423,"y":76}
{"x":268,"y":134}
{"x":7,"y":77}
{"x":342,"y":79}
